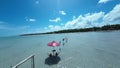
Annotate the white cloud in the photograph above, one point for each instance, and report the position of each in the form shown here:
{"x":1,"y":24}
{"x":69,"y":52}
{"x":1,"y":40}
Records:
{"x":30,"y":19}
{"x":62,"y":12}
{"x":103,"y":1}
{"x":74,"y":17}
{"x":55,"y":20}
{"x":90,"y":20}
{"x":93,"y":16}
{"x":95,"y":19}
{"x":50,"y":26}
{"x":113,"y":16}
{"x":37,"y":2}
{"x":83,"y":21}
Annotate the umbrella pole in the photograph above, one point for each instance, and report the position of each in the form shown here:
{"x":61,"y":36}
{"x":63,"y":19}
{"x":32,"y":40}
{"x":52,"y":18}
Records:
{"x":53,"y":51}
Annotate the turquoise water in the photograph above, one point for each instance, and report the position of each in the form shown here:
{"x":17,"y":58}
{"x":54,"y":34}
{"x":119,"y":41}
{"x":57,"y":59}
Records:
{"x":83,"y":50}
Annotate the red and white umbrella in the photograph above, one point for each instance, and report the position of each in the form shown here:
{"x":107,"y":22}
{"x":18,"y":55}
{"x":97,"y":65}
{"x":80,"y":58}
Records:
{"x":53,"y":44}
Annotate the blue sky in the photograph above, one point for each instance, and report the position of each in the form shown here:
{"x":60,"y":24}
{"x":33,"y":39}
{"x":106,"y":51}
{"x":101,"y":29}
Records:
{"x":36,"y":16}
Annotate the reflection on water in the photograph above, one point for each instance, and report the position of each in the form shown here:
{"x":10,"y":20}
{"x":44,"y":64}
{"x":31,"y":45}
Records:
{"x":82,"y":50}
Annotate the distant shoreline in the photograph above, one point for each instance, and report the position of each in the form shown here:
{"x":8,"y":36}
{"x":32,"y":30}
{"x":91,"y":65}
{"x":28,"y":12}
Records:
{"x":92,"y":29}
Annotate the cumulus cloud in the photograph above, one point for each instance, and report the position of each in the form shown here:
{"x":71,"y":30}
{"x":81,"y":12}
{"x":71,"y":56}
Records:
{"x":95,"y":19}
{"x":87,"y":20}
{"x":90,"y":20}
{"x":62,"y":12}
{"x":113,"y":16}
{"x":103,"y":1}
{"x":55,"y":20}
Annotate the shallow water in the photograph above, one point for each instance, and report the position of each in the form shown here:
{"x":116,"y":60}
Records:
{"x":83,"y":50}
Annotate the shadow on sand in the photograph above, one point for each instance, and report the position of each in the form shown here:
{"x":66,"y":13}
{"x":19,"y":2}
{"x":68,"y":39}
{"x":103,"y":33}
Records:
{"x":52,"y":60}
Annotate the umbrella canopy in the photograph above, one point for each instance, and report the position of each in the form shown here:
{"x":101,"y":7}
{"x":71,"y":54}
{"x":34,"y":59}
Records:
{"x":53,"y":44}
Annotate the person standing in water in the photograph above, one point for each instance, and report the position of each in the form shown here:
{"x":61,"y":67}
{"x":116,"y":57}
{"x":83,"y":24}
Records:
{"x":59,"y":46}
{"x":66,"y":39}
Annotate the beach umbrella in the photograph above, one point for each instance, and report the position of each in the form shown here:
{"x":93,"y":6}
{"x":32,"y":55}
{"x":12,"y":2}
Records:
{"x":53,"y":44}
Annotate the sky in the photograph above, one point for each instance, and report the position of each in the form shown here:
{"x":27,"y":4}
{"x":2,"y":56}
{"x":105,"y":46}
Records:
{"x":37,"y":16}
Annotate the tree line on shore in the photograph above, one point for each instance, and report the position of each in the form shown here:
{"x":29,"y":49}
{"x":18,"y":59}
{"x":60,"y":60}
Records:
{"x":103,"y":28}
